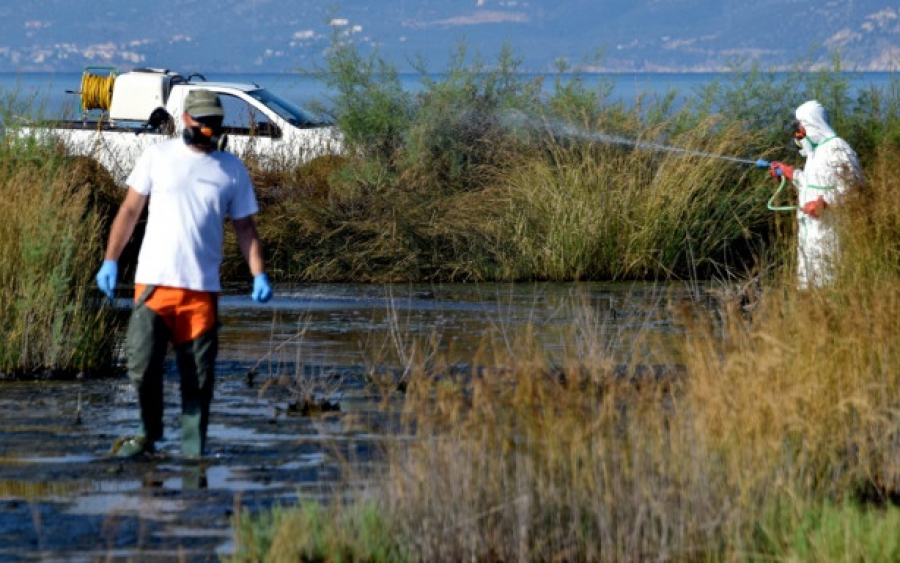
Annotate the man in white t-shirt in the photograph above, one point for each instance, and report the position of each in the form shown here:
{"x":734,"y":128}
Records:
{"x":189,"y":185}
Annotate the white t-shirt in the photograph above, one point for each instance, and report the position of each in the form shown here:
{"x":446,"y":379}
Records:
{"x":191,"y":194}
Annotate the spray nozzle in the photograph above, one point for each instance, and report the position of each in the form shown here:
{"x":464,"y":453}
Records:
{"x":762,"y":163}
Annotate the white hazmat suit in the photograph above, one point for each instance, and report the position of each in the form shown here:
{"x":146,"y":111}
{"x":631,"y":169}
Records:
{"x":831,"y":168}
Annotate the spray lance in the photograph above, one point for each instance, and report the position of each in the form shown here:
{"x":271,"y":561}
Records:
{"x":562,"y":129}
{"x":759,"y":163}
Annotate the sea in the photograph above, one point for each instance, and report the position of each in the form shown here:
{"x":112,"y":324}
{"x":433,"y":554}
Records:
{"x":25,"y":96}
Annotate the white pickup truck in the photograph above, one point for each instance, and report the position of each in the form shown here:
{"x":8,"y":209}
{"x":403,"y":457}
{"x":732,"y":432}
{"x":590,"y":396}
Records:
{"x":123,"y":114}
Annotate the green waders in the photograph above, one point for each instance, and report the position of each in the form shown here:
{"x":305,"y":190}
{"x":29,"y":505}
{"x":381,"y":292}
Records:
{"x":146,"y":344}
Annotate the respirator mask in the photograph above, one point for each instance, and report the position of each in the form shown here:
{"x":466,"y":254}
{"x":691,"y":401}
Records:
{"x":798,"y":137}
{"x":206,"y":135}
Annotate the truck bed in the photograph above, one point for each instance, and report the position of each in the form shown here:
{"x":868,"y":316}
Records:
{"x":97,"y":125}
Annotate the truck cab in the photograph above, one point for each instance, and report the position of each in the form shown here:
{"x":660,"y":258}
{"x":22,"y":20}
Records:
{"x":262,"y":125}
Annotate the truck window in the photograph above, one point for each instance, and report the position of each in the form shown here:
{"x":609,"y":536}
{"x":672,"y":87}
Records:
{"x":292,"y":113}
{"x":243,"y":119}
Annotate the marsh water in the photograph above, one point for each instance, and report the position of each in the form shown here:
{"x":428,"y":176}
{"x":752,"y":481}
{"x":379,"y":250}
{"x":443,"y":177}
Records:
{"x":294,"y":408}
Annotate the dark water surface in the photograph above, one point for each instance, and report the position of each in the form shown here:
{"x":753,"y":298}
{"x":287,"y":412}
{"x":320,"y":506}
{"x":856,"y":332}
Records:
{"x":63,"y":499}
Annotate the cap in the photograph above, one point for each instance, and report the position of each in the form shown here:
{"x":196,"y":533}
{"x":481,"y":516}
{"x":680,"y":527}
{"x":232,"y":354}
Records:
{"x":203,"y":103}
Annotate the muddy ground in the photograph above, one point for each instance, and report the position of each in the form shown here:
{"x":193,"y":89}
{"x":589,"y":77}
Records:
{"x":62,"y":498}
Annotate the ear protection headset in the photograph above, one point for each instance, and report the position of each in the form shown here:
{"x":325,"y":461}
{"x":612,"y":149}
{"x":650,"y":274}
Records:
{"x":204,"y":136}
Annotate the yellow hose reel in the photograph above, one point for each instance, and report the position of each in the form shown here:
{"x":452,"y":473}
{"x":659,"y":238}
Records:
{"x":97,"y":89}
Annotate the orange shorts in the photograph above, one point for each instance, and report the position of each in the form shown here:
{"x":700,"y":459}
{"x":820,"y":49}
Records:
{"x":186,"y":312}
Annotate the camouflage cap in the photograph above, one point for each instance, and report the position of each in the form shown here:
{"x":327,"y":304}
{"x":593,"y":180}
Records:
{"x":203,"y":103}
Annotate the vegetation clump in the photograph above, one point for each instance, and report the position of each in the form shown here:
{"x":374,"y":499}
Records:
{"x":777,"y":439}
{"x":55,"y":211}
{"x":486,"y":173}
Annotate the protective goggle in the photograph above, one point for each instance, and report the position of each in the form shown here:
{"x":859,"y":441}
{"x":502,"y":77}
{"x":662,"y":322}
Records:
{"x":207,"y":133}
{"x":208,"y":126}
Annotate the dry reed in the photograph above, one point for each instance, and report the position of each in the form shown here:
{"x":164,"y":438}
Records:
{"x":52,"y":241}
{"x":773,"y":434}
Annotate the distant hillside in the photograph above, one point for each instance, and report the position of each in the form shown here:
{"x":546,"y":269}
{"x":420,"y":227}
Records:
{"x":269,"y":35}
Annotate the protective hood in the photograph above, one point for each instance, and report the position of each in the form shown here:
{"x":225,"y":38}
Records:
{"x":814,"y":119}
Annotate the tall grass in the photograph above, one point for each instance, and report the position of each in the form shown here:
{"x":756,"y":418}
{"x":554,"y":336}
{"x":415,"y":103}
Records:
{"x":601,"y":212}
{"x":486,"y":173}
{"x":51,"y":318}
{"x":777,"y":438}
{"x":773,"y":435}
{"x":518,"y":203}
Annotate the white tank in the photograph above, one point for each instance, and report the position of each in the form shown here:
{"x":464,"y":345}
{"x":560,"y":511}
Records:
{"x":136,"y":94}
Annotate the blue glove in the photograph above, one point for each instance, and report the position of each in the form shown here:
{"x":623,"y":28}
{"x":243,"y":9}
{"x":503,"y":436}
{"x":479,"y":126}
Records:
{"x":262,"y":289}
{"x":106,"y":277}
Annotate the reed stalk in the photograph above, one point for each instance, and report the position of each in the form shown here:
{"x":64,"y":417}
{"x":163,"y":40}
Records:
{"x":53,"y":321}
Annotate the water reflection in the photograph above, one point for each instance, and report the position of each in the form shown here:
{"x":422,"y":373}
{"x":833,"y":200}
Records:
{"x":352,"y":325}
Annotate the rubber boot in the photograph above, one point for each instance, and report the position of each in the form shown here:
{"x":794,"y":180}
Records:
{"x":193,"y":477}
{"x":193,"y":440}
{"x":196,"y":364}
{"x":132,"y":446}
{"x":146,"y":342}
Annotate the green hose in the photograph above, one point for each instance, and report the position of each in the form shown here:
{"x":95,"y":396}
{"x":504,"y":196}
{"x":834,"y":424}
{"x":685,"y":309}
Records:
{"x":771,"y":203}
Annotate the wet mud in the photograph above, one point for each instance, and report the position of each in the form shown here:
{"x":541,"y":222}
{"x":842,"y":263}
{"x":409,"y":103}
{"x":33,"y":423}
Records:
{"x":63,"y":498}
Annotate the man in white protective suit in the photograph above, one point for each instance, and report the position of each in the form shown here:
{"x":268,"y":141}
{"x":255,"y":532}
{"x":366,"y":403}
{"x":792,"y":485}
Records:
{"x":831,"y":169}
